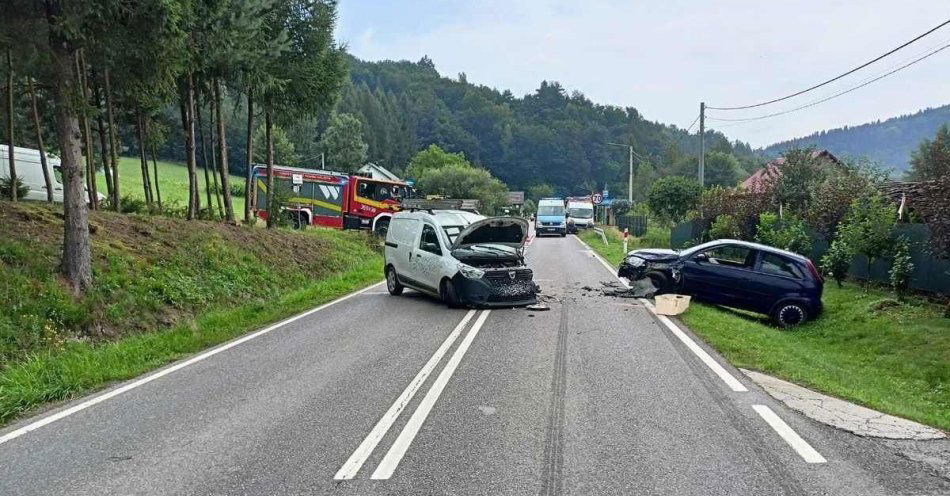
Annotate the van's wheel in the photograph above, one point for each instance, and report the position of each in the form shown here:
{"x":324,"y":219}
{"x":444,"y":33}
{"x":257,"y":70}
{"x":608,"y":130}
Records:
{"x":659,"y":280}
{"x":448,"y":293}
{"x":382,"y":227}
{"x":392,"y":282}
{"x":789,"y":314}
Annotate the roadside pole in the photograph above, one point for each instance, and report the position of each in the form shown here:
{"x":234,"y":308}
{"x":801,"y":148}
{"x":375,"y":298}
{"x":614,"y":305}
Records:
{"x":630,"y":178}
{"x":626,"y":234}
{"x":702,"y":144}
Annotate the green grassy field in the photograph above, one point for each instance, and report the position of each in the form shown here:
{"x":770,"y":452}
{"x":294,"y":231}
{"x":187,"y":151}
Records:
{"x":172,"y":180}
{"x":164,"y":288}
{"x":895,"y":360}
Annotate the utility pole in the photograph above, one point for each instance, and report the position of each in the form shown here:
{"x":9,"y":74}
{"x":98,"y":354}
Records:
{"x":702,"y":144}
{"x":630,"y":178}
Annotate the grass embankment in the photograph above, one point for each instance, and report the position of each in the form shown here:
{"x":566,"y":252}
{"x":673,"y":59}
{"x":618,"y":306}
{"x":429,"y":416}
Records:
{"x":655,"y":237}
{"x":895,"y":359}
{"x":164,"y":288}
{"x":172,"y":180}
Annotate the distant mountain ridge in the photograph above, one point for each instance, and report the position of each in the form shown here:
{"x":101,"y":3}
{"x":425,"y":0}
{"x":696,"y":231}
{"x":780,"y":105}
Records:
{"x":889,"y":142}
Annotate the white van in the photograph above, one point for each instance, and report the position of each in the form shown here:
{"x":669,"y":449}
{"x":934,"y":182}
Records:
{"x":459,"y":257}
{"x":581,"y":214}
{"x":29,"y":169}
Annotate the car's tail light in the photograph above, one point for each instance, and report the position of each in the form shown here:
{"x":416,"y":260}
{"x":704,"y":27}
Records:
{"x":814,"y":271}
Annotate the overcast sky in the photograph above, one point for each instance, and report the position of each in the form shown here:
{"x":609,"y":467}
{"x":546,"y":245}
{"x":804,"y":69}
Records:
{"x":665,"y":56}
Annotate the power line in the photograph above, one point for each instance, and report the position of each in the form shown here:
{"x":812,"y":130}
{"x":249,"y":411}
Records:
{"x":693,"y":124}
{"x":819,"y":85}
{"x":836,"y":95}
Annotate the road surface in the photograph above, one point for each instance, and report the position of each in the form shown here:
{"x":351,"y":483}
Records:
{"x":399,"y":395}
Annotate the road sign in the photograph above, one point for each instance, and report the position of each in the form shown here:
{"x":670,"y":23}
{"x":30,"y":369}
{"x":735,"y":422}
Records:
{"x":297,"y":179}
{"x":598,"y":198}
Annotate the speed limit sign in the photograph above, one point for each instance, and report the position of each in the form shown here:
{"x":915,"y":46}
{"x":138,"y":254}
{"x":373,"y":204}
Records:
{"x":598,"y":198}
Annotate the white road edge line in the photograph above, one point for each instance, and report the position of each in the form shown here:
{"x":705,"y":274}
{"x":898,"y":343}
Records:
{"x":790,"y":436}
{"x":365,"y":449}
{"x":163,"y":372}
{"x":706,"y":358}
{"x":389,"y":463}
{"x":710,"y":362}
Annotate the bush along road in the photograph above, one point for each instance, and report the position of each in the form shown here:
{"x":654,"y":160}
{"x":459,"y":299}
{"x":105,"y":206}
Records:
{"x":385,"y":394}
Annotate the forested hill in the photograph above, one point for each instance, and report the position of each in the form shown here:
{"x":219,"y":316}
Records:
{"x":888,"y":142}
{"x":548,"y":136}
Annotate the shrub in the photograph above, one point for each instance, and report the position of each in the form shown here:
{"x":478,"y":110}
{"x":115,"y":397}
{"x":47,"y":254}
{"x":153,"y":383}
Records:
{"x":6,"y":190}
{"x":620,"y":207}
{"x":868,"y":228}
{"x":788,"y":233}
{"x":901,"y":268}
{"x":837,"y":261}
{"x":237,"y":188}
{"x":131,"y":205}
{"x":724,"y":227}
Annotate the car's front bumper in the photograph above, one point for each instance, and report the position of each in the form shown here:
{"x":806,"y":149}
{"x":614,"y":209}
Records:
{"x":498,"y":289}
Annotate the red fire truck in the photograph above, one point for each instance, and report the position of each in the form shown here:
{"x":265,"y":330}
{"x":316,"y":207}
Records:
{"x":331,"y":199}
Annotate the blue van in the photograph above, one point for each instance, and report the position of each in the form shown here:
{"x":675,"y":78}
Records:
{"x":551,"y":218}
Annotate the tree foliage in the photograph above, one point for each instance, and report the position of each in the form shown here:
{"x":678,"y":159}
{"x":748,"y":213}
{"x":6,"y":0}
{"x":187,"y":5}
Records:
{"x":463,"y":181}
{"x":343,"y":143}
{"x":725,"y":227}
{"x":931,"y":160}
{"x":672,"y":197}
{"x":788,"y":233}
{"x":901,"y":268}
{"x":433,"y":158}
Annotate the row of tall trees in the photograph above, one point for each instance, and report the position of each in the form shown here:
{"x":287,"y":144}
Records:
{"x":122,"y":63}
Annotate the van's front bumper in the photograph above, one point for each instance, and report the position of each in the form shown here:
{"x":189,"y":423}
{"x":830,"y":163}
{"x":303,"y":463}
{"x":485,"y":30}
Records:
{"x":498,"y":288}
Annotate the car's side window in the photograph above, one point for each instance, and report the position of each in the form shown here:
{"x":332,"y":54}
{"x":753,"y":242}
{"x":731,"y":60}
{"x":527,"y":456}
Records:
{"x":430,"y":240}
{"x":776,"y":264}
{"x":730,"y":256}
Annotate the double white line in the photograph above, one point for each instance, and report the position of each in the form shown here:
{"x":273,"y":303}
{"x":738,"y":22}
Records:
{"x":392,"y":458}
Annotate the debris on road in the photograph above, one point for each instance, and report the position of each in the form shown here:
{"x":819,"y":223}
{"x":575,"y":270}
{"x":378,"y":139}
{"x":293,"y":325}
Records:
{"x":538,"y":307}
{"x":641,"y":288}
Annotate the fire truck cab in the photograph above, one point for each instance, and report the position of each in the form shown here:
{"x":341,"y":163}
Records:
{"x":330,"y":199}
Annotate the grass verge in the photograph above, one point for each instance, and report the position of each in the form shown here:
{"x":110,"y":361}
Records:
{"x":894,"y":358}
{"x":163,"y":289}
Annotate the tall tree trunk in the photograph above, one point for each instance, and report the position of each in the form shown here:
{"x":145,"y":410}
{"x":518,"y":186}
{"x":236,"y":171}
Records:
{"x":113,"y":144}
{"x":223,"y":147}
{"x":101,"y":131}
{"x":204,"y":159}
{"x":272,"y":210}
{"x":39,"y":142}
{"x":194,"y":200}
{"x":77,"y":256}
{"x":214,"y":161}
{"x":11,"y":158}
{"x":143,"y":162}
{"x":158,"y":190}
{"x":87,"y":136}
{"x":249,"y":185}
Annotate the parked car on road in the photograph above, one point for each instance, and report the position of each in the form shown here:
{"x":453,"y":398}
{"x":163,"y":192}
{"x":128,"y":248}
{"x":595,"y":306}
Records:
{"x":462,"y":258}
{"x":784,"y":285}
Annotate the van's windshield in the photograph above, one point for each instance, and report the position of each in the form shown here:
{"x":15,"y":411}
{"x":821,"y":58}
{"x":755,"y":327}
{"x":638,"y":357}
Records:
{"x":582,"y":212}
{"x":550,"y":210}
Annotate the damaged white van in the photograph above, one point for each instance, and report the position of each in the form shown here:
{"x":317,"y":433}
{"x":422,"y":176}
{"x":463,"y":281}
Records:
{"x":462,"y":258}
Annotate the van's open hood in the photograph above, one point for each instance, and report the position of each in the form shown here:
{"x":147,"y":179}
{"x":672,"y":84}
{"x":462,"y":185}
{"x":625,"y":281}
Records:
{"x":507,"y":231}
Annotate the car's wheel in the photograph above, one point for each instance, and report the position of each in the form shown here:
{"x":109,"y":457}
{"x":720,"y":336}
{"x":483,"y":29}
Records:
{"x":659,"y":280}
{"x":382,"y":227}
{"x":789,"y":314}
{"x":449,"y":295}
{"x":392,"y":282}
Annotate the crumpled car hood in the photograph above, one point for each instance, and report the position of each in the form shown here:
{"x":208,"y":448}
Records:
{"x":655,"y":254}
{"x":505,"y":231}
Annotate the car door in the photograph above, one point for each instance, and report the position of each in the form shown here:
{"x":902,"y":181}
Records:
{"x":775,"y":277}
{"x":426,"y":264}
{"x":721,"y":274}
{"x":400,"y":240}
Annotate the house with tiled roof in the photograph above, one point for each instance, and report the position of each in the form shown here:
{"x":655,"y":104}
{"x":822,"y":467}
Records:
{"x":760,"y":180}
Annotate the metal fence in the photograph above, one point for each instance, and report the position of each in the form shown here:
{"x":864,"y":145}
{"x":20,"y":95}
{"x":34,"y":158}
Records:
{"x":637,"y":224}
{"x":930,"y":273}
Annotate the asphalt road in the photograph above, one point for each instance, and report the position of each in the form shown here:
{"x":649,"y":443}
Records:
{"x":401,"y":395}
